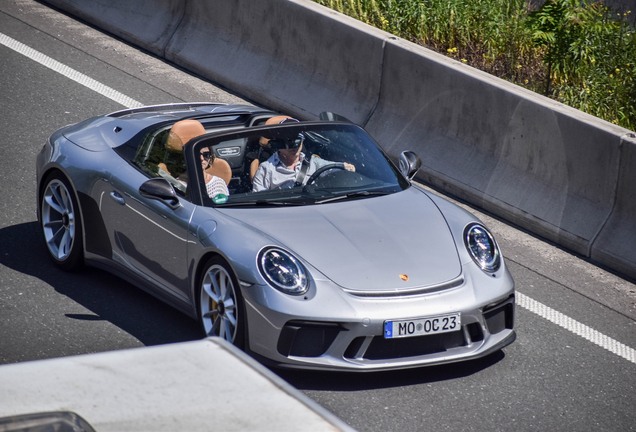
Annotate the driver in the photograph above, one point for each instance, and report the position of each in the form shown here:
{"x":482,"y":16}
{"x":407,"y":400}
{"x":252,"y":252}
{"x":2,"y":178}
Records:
{"x":288,"y":165}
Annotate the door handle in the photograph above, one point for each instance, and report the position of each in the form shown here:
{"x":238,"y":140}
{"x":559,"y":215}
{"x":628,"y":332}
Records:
{"x":118,"y":198}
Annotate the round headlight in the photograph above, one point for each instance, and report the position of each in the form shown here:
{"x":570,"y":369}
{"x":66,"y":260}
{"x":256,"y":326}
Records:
{"x":283,"y":271}
{"x":482,"y":247}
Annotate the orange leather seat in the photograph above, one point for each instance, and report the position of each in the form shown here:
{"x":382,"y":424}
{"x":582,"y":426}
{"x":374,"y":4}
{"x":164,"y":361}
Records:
{"x":220,"y":168}
{"x":182,"y":132}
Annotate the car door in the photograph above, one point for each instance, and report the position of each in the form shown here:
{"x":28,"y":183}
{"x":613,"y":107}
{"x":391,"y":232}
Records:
{"x":147,"y":235}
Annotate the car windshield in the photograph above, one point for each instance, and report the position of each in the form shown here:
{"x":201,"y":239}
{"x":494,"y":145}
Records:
{"x":293,"y":164}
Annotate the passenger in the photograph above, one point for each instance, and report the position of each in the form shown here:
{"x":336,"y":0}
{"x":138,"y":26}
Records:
{"x":288,"y":165}
{"x":216,"y":177}
{"x":215,"y":186}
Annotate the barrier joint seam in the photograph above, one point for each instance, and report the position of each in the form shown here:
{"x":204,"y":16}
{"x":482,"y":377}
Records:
{"x":598,"y":232}
{"x":380,"y":78}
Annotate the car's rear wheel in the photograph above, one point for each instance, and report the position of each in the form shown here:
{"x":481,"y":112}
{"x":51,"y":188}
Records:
{"x":61,"y":223}
{"x":221,"y":309}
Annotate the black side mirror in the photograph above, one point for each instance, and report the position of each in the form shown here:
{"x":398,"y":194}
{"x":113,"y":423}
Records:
{"x":410,"y":163}
{"x":160,"y":189}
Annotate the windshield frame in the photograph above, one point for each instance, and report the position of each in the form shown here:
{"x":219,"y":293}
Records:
{"x":268,"y":198}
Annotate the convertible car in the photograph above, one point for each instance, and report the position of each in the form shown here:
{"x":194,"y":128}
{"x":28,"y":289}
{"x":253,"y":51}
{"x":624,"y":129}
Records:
{"x":348,"y":266}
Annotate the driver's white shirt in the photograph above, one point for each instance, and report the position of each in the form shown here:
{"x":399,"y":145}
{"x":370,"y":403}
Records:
{"x":273,"y":174}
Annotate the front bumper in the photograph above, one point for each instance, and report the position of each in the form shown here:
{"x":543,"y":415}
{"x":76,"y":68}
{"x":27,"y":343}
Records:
{"x":338,"y":331}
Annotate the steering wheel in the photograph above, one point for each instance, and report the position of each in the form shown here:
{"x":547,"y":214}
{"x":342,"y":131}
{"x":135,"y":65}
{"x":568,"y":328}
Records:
{"x":321,"y":170}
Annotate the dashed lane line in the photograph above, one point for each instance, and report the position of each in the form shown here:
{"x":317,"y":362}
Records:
{"x":68,"y":72}
{"x":576,"y":327}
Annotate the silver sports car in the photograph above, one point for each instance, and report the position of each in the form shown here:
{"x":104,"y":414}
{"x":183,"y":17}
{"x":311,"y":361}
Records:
{"x":332,"y":259}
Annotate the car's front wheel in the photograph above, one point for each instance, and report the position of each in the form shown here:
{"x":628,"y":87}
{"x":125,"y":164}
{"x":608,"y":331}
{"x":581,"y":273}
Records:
{"x":61,"y":223}
{"x":221,"y":310}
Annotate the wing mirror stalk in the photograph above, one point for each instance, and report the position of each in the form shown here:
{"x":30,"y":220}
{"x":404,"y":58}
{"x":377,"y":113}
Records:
{"x":410,"y":164}
{"x":160,"y":189}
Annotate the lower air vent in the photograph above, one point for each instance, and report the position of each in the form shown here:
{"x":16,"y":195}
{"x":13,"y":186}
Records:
{"x":306,"y":338}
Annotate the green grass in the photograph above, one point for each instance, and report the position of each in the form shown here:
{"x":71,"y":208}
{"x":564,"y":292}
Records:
{"x":581,"y":54}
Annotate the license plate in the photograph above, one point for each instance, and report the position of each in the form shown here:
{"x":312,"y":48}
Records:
{"x":422,"y":326}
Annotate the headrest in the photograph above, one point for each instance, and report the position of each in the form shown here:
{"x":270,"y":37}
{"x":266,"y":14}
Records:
{"x":182,"y":132}
{"x":220,"y":168}
{"x":273,"y":121}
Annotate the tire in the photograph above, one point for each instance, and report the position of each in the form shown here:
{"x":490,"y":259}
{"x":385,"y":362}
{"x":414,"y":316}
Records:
{"x":221,"y":307}
{"x":61,"y":223}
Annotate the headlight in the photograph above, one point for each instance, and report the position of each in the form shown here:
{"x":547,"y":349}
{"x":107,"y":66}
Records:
{"x":482,"y":247}
{"x":283,"y":271}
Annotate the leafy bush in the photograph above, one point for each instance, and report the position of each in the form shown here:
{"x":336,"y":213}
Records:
{"x":579,"y":53}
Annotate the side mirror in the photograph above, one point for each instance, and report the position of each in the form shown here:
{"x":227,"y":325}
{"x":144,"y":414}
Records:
{"x":410,"y":163}
{"x":161,"y":190}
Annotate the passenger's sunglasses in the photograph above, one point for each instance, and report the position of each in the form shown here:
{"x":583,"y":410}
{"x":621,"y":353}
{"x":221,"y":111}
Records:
{"x":207,"y":155}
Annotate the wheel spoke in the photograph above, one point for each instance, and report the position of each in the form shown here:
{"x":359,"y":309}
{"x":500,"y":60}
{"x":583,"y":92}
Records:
{"x":230,"y":317}
{"x":54,"y":205}
{"x":217,"y":289}
{"x":52,"y":223}
{"x":214,"y":330}
{"x":65,"y":244}
{"x":207,"y":287}
{"x":222,"y":328}
{"x":55,"y":240}
{"x":59,"y":199}
{"x":222,"y":285}
{"x":56,"y":234}
{"x":229,"y":330}
{"x":210,"y":314}
{"x":229,"y":304}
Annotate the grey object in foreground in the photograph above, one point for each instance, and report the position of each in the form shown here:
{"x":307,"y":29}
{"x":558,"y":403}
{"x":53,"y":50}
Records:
{"x":190,"y":386}
{"x":342,"y":270}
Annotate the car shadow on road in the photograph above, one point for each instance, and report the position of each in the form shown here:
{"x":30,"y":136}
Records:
{"x":355,"y":381}
{"x":106,"y":296}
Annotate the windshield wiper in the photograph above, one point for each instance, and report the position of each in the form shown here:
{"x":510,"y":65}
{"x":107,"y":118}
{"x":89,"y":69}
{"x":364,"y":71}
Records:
{"x":352,"y":195}
{"x":262,"y":203}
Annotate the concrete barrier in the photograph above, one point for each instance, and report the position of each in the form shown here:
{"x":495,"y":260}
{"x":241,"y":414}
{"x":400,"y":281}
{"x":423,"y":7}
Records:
{"x":540,"y":164}
{"x":148,"y":24}
{"x":294,"y":56}
{"x":616,"y":244}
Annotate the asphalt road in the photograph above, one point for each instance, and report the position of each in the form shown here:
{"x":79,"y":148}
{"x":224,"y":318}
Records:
{"x":572,"y":368}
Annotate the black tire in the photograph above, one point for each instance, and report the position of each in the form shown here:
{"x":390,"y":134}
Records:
{"x":61,"y":223}
{"x":221,"y":309}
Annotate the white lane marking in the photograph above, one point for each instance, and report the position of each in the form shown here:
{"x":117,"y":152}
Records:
{"x":576,"y":327}
{"x":68,"y":72}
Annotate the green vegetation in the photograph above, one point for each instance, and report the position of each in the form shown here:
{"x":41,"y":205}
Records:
{"x":579,"y":53}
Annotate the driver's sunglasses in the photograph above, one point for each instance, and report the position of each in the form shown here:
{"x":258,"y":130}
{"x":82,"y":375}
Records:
{"x":206,"y":154}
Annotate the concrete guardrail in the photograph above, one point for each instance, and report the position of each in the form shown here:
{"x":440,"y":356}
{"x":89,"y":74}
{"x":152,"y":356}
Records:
{"x":549,"y":168}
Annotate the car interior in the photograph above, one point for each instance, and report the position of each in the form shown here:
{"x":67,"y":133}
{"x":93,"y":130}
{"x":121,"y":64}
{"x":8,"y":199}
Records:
{"x":160,"y":152}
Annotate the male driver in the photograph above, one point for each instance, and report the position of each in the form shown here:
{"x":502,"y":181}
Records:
{"x":286,"y":167}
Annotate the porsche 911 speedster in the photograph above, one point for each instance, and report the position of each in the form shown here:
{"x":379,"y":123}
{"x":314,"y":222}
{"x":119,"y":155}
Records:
{"x":343,"y":264}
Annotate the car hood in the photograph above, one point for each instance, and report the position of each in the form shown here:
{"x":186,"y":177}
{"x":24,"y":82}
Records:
{"x":367,"y":244}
